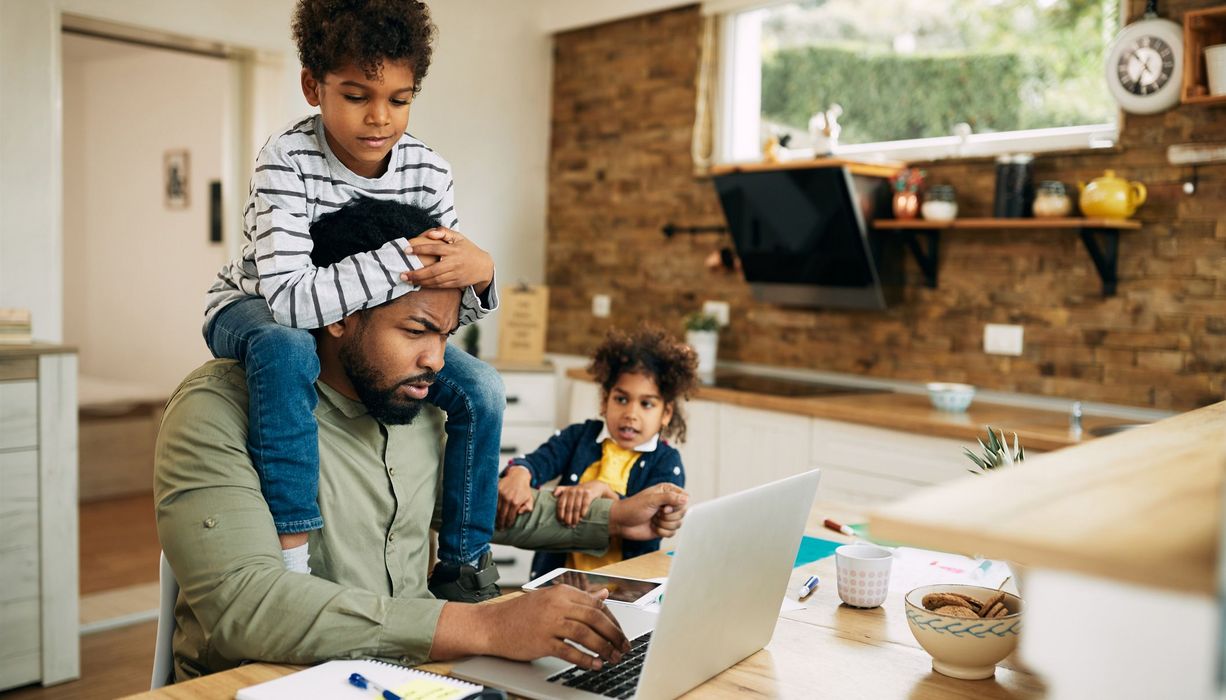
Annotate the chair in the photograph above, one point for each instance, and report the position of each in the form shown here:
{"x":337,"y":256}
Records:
{"x":163,"y":651}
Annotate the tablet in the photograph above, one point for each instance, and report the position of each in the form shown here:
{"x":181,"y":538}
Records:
{"x":631,"y":591}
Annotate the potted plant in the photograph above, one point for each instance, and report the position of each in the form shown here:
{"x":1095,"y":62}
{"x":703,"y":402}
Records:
{"x":702,"y":334}
{"x":996,"y":453}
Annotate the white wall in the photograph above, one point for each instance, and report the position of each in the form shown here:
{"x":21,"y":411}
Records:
{"x":31,"y":267}
{"x":135,"y":271}
{"x":484,"y":106}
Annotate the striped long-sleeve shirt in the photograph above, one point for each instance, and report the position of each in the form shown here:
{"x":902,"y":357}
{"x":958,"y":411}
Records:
{"x":297,"y":179}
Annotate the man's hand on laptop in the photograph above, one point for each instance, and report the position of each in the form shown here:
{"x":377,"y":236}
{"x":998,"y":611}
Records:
{"x":533,"y":625}
{"x":650,"y":513}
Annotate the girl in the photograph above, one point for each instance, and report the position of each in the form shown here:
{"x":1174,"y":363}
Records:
{"x":642,"y":375}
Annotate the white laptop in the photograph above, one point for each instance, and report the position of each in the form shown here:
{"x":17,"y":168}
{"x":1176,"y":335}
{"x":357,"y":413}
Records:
{"x":733,"y":559}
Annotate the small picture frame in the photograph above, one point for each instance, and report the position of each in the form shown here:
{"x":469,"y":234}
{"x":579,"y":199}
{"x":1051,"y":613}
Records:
{"x":176,"y":178}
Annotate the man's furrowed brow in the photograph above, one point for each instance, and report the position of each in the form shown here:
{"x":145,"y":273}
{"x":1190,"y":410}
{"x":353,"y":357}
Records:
{"x":431,"y":325}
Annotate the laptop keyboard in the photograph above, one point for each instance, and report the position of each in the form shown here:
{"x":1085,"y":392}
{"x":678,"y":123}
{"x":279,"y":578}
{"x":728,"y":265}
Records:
{"x":617,"y":680}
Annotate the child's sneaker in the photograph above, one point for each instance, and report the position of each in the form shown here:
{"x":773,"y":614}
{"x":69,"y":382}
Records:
{"x":466,"y":583}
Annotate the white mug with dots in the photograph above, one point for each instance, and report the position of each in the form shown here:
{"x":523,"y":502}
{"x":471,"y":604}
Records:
{"x":863,"y":573}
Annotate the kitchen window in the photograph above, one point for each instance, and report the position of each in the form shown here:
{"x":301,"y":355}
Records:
{"x":917,"y":79}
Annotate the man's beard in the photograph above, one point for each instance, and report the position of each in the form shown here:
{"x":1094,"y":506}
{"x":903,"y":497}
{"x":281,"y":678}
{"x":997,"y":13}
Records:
{"x":382,"y":402}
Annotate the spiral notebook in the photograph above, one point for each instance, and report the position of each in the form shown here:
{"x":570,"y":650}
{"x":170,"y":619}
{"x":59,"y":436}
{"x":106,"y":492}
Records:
{"x":331,"y":680}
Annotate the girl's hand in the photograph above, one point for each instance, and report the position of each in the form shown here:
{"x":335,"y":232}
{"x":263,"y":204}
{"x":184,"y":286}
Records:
{"x":460,"y":262}
{"x":515,"y":496}
{"x":574,"y":501}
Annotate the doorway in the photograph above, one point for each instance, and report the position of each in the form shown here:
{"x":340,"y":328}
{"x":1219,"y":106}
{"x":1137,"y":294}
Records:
{"x":148,"y":138}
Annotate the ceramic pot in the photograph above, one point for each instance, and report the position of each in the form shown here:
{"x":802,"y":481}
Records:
{"x":906,"y":205}
{"x":706,"y":345}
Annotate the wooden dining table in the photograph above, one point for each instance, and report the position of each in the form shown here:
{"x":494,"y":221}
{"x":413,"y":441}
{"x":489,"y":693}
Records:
{"x":825,"y":650}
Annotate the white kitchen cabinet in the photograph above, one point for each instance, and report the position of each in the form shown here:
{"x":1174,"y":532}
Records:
{"x":757,"y":447}
{"x":866,"y":465}
{"x":700,"y":451}
{"x":584,"y":402}
{"x":529,"y":420}
{"x":39,"y":633}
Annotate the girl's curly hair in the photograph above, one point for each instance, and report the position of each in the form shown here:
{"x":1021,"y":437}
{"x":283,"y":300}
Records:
{"x":330,"y":34}
{"x":652,"y":352}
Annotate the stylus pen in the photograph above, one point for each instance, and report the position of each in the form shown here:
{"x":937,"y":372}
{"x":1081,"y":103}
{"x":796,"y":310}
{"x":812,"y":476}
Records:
{"x":808,"y":587}
{"x":360,"y":681}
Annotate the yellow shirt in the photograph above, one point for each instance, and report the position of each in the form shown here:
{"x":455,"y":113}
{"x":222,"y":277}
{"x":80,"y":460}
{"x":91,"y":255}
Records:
{"x":613,"y":469}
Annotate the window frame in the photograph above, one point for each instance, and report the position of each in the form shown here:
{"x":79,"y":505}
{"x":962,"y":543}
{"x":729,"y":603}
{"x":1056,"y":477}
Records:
{"x":739,"y":117}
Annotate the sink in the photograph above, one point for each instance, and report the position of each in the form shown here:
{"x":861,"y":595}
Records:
{"x":1112,"y":429}
{"x":778,"y":386}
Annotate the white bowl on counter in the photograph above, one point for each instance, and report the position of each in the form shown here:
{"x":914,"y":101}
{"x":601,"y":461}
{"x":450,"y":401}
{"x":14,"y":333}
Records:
{"x":950,"y":397}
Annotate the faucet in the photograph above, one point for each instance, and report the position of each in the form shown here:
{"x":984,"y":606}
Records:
{"x":1074,"y":419}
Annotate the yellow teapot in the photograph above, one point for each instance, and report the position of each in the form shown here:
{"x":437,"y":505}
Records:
{"x":1111,"y":197}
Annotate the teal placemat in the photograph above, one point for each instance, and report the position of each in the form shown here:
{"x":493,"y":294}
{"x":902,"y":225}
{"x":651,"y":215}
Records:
{"x":811,"y":549}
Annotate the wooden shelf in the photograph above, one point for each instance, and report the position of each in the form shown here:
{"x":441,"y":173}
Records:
{"x":1100,"y":236}
{"x":991,"y":223}
{"x":1201,"y":28}
{"x":885,"y":169}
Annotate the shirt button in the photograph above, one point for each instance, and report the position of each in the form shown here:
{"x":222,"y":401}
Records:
{"x":391,"y":537}
{"x":391,"y":471}
{"x":677,"y":470}
{"x":574,"y":477}
{"x":210,"y":522}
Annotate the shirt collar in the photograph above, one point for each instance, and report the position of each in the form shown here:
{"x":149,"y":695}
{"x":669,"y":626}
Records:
{"x":342,"y":403}
{"x":649,"y":446}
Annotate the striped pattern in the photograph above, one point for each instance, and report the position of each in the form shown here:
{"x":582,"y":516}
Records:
{"x":297,"y":179}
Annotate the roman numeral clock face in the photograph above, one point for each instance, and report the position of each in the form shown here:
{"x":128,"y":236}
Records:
{"x":1144,"y":67}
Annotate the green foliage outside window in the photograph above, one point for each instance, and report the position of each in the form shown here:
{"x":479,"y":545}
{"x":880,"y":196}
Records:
{"x":999,"y":66}
{"x":894,"y":96}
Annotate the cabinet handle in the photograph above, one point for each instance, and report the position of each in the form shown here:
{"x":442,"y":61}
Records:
{"x":509,"y":449}
{"x":512,"y":399}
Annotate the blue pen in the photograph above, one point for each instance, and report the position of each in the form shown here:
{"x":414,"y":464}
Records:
{"x":360,"y":681}
{"x":808,"y":587}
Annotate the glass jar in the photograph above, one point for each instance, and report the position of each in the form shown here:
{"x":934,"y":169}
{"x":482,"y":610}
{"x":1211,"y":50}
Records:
{"x":1051,"y":200}
{"x":940,"y":203}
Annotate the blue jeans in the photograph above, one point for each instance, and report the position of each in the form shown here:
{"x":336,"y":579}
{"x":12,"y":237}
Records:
{"x":283,"y":437}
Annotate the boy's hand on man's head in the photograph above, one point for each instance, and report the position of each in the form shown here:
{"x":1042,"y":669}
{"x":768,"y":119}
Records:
{"x":461,"y":263}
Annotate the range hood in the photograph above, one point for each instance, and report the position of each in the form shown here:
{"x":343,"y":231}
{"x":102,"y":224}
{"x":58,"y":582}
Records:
{"x":803,"y":236}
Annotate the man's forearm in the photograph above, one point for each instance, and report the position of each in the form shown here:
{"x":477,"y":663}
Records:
{"x":539,"y":529}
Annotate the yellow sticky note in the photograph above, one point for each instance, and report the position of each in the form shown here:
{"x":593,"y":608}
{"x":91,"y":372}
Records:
{"x":427,"y":689}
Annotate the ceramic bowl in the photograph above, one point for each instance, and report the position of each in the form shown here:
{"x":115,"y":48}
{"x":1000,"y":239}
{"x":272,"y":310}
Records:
{"x":963,"y":647}
{"x":952,"y":398}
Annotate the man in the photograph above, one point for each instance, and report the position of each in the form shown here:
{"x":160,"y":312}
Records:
{"x":380,"y":461}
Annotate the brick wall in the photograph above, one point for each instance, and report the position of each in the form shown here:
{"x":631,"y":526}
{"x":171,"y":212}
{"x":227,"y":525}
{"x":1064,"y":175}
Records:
{"x":620,"y":168}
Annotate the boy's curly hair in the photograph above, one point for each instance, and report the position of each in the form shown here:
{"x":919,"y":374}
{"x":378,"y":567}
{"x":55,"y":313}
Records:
{"x":652,"y":352}
{"x":333,"y":33}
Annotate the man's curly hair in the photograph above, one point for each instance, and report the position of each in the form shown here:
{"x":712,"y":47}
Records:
{"x":331,"y":34}
{"x":652,"y":352}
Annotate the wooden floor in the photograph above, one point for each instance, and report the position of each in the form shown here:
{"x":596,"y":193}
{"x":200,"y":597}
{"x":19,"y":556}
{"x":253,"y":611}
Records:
{"x":119,"y":543}
{"x":113,"y":664}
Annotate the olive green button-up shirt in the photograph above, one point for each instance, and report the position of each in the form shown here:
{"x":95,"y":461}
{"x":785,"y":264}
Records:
{"x":378,"y":492}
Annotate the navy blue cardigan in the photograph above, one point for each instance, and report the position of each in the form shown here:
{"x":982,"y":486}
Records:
{"x":569,"y":453}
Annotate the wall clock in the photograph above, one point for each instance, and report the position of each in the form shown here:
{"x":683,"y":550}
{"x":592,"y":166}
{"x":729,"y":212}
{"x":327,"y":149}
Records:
{"x":1144,"y":66}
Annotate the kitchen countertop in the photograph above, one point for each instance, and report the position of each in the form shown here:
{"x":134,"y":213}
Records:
{"x":1037,"y":429}
{"x":1143,"y":507}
